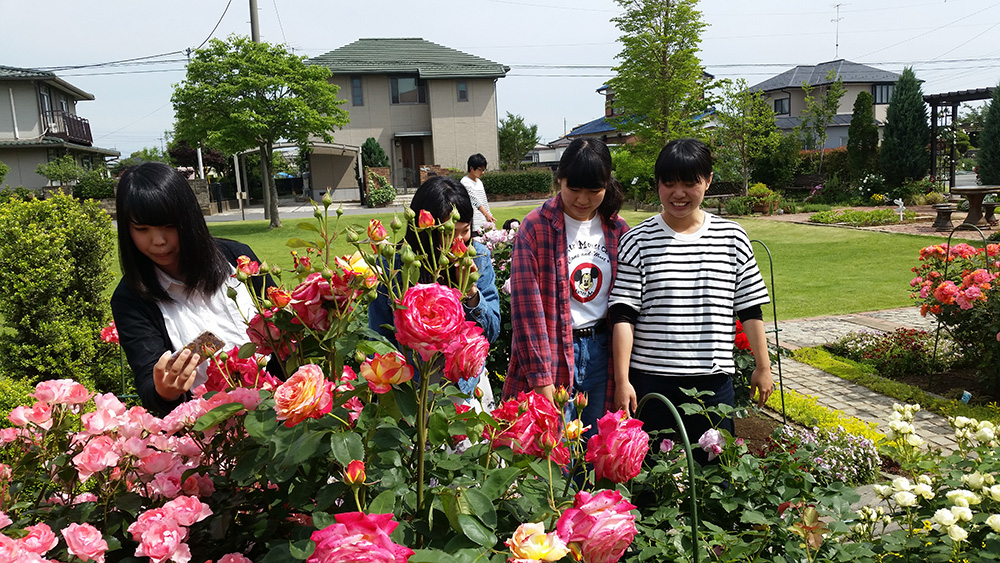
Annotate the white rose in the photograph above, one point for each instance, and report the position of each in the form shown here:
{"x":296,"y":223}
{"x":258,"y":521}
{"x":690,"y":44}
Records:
{"x":925,"y":491}
{"x":985,"y":434}
{"x":957,"y":534}
{"x":959,"y":421}
{"x":883,"y":491}
{"x":963,"y":513}
{"x":901,"y":484}
{"x":994,"y":492}
{"x":994,"y":522}
{"x":944,"y":517}
{"x":974,"y":480}
{"x":914,"y":441}
{"x":905,"y":499}
{"x":925,"y":479}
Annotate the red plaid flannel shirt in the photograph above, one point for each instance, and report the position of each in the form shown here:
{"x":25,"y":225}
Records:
{"x":542,"y":347}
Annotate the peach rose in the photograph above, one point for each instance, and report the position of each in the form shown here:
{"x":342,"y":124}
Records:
{"x":385,"y":370}
{"x":306,"y":394}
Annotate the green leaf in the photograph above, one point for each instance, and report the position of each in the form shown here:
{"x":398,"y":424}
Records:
{"x":322,"y":519}
{"x":307,"y":226}
{"x":301,"y":549}
{"x":215,"y":416}
{"x":476,"y":531}
{"x":437,"y":429}
{"x":249,"y":464}
{"x":299,"y":243}
{"x":406,"y":400}
{"x":247,"y":351}
{"x":384,"y":503}
{"x":481,"y":506}
{"x":310,"y":444}
{"x":346,"y":447}
{"x":499,"y":481}
{"x":260,"y":425}
{"x":128,"y":502}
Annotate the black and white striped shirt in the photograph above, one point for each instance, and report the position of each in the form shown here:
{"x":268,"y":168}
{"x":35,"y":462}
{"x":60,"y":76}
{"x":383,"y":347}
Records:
{"x":686,"y":288}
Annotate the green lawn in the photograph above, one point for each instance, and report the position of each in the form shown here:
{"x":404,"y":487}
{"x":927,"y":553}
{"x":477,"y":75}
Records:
{"x":818,"y":270}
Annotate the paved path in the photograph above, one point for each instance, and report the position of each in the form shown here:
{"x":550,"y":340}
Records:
{"x":842,"y":395}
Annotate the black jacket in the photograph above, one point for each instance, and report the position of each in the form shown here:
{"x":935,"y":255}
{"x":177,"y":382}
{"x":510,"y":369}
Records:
{"x":143,"y":333}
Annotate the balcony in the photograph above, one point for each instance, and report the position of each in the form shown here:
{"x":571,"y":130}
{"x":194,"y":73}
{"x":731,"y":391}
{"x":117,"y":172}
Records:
{"x":65,"y":125}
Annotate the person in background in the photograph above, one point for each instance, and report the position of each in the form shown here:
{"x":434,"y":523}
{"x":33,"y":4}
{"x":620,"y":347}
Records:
{"x":564,"y":258}
{"x":477,"y":192}
{"x":175,"y":279}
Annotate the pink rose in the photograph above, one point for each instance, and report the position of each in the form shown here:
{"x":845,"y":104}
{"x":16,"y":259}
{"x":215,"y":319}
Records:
{"x":466,"y":355}
{"x":385,"y":370}
{"x":234,"y":558}
{"x":40,"y":539}
{"x":85,"y":542}
{"x":109,"y":414}
{"x":247,"y":266}
{"x":712,"y":441}
{"x":536,"y":427}
{"x":358,"y":538}
{"x":5,"y":520}
{"x":306,"y":394}
{"x":98,"y":455}
{"x":163,"y":540}
{"x":61,"y":392}
{"x":308,"y":300}
{"x":262,"y":332}
{"x":109,"y":333}
{"x":601,"y":525}
{"x":618,"y":448}
{"x":429,"y":317}
{"x":187,"y":510}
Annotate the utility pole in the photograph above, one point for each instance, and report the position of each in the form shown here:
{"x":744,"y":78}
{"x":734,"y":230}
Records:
{"x":254,"y":28}
{"x":264,"y":166}
{"x":836,"y":20}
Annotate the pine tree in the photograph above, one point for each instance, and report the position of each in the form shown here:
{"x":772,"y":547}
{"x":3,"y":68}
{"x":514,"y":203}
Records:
{"x":904,"y":145}
{"x":988,"y":160}
{"x":862,"y":138}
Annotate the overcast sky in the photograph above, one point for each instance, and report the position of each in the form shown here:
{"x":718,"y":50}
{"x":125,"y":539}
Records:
{"x":559,"y":51}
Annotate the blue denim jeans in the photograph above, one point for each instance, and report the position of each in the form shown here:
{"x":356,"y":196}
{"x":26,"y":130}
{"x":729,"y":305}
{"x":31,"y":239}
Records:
{"x":590,"y":376}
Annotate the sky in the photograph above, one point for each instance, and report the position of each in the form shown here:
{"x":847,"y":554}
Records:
{"x":559,"y":51}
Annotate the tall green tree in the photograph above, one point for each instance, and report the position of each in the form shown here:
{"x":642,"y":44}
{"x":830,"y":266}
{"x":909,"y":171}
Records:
{"x":145,"y":154}
{"x":515,"y":138}
{"x":904,"y":141}
{"x":372,"y":153}
{"x":819,"y":113}
{"x":658,"y":87}
{"x":988,"y":159}
{"x":862,"y":137}
{"x":239,"y":95}
{"x":746,"y":128}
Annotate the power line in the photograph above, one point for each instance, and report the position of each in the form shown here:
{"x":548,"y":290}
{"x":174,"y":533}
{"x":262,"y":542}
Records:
{"x":931,"y":31}
{"x":283,"y":38}
{"x":216,"y":25}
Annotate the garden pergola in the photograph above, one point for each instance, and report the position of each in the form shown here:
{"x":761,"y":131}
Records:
{"x":945,"y":120}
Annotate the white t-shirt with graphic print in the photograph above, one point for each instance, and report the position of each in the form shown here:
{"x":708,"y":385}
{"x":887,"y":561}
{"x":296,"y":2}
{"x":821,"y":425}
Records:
{"x":589,"y":271}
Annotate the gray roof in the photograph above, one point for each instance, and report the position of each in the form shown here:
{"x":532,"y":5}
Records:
{"x":14,"y":73}
{"x":50,"y":142}
{"x":847,"y":71}
{"x":407,"y":56}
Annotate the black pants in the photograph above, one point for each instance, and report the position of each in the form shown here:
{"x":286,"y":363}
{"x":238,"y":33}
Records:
{"x":656,"y":416}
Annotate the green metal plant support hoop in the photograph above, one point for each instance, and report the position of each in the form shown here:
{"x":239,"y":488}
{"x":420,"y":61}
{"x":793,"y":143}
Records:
{"x":690,"y":462}
{"x":775,"y":330}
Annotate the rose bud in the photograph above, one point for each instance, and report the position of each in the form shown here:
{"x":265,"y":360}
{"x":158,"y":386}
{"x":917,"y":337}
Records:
{"x":354,"y":475}
{"x":560,"y":396}
{"x":395,"y":224}
{"x":581,"y":401}
{"x":426,"y":220}
{"x":376,"y":232}
{"x":279,"y":297}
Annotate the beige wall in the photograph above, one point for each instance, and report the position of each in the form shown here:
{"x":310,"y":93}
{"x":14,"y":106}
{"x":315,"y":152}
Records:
{"x":25,"y":108}
{"x":22,"y":167}
{"x":463,"y":128}
{"x":798,"y":103}
{"x":334,"y":173}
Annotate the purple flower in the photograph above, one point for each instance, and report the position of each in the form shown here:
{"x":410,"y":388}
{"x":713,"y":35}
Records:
{"x":666,"y":445}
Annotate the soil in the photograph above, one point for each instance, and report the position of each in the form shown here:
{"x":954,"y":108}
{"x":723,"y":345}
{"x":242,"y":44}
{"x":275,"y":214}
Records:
{"x":755,"y":430}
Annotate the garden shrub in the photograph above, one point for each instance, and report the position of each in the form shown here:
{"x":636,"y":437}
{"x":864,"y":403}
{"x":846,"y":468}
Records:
{"x":19,"y":193}
{"x":934,"y":198}
{"x":830,"y":454}
{"x":55,"y":267}
{"x":13,"y":393}
{"x":63,"y":170}
{"x":894,"y":354}
{"x":380,"y":191}
{"x":778,"y":167}
{"x":739,"y":205}
{"x":4,"y":169}
{"x":857,"y":218}
{"x":500,"y":242}
{"x":806,"y":410}
{"x":908,"y":190}
{"x":870,"y":185}
{"x":94,"y":184}
{"x":372,"y":153}
{"x":517,"y":182}
{"x":834,"y":162}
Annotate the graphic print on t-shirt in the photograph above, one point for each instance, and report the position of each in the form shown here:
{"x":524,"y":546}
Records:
{"x":587,"y":282}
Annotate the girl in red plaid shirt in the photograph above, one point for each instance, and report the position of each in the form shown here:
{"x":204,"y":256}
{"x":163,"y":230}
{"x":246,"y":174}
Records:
{"x":563,"y":263}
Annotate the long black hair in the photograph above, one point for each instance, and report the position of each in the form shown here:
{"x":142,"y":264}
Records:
{"x":155,"y":194}
{"x":587,"y":164}
{"x":438,"y":196}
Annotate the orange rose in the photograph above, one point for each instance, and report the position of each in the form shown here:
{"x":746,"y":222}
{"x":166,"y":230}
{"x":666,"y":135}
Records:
{"x":384,"y":371}
{"x":306,"y":394}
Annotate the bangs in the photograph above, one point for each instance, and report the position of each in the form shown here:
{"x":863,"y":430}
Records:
{"x":586,"y":172}
{"x":683,"y":175}
{"x":149,"y":207}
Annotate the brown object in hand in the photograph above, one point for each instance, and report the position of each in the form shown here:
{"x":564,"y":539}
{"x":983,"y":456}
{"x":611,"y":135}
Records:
{"x":205,"y":345}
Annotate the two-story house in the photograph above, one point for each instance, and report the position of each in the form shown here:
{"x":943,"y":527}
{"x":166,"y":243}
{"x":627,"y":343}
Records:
{"x":424,"y":103}
{"x":787,"y":96}
{"x":39,"y":123}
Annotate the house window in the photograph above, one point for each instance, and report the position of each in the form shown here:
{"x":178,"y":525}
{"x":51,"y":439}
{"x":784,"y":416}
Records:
{"x":782,"y":106}
{"x":408,"y":90}
{"x":357,"y":93}
{"x":882,"y":93}
{"x":463,"y":91}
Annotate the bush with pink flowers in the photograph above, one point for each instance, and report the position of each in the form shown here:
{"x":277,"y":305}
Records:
{"x":361,"y":453}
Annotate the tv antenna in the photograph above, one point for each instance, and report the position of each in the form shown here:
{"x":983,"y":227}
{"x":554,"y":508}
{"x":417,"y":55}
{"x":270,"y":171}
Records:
{"x":836,"y":20}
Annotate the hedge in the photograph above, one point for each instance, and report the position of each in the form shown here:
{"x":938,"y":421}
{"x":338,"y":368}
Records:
{"x":518,"y":182}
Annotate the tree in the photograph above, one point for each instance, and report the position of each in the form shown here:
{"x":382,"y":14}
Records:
{"x":4,"y":169}
{"x":904,"y":142}
{"x":239,"y":94}
{"x":145,"y":154}
{"x":988,"y":159}
{"x":862,"y":138}
{"x":372,"y":153}
{"x":819,"y":114}
{"x":658,"y":86}
{"x":515,"y":138}
{"x":183,"y":154}
{"x":746,"y":129}
{"x":63,"y":170}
